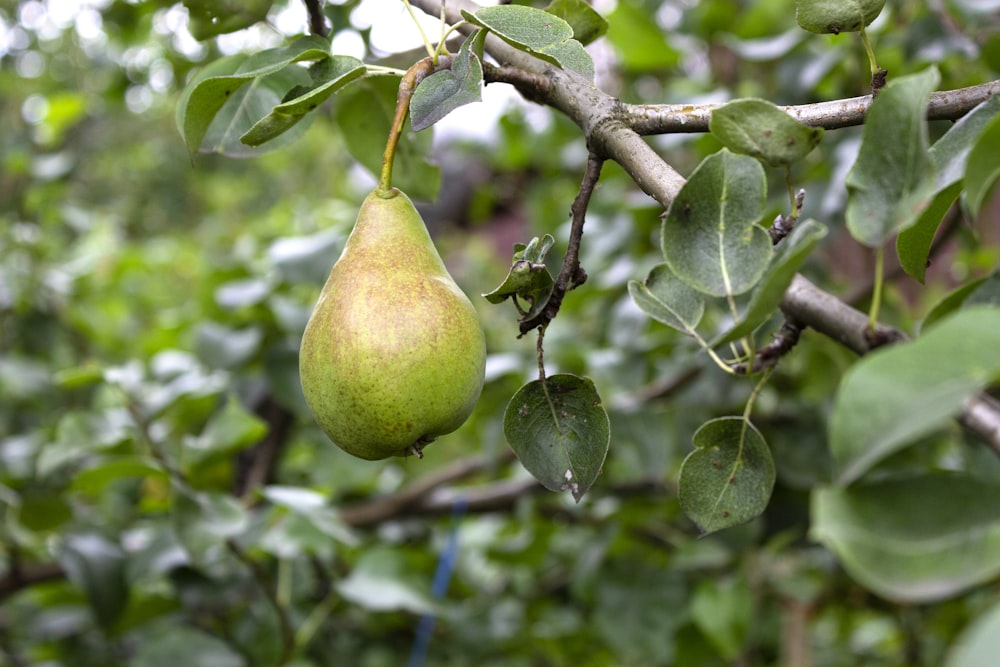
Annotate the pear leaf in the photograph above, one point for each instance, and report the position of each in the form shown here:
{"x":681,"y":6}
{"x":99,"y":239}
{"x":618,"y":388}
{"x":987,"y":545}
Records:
{"x":985,"y":290}
{"x":364,"y":112}
{"x":587,"y":24}
{"x":202,"y":520}
{"x":893,"y":179}
{"x":949,"y":154}
{"x":898,"y":393}
{"x":669,"y":300}
{"x":982,"y":168}
{"x":727,"y":480}
{"x":979,"y":644}
{"x":767,"y":294}
{"x":559,"y":431}
{"x":760,"y":129}
{"x":537,"y":32}
{"x":97,"y":566}
{"x":444,"y":91}
{"x":208,"y":18}
{"x":913,"y":245}
{"x":220,"y":85}
{"x":916,"y":539}
{"x":328,"y":76}
{"x":528,"y":279}
{"x":836,"y":16}
{"x":710,"y":237}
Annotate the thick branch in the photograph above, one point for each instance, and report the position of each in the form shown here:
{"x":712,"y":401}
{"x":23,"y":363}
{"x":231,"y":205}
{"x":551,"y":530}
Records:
{"x":649,"y":119}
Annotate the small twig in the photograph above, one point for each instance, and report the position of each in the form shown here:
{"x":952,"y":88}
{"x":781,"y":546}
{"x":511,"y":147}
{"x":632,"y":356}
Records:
{"x":317,"y":21}
{"x":264,"y":582}
{"x":533,"y":87}
{"x":380,"y":509}
{"x":570,"y":275}
{"x":768,"y":356}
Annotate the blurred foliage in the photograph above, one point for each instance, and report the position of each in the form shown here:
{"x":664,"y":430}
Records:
{"x":166,"y":497}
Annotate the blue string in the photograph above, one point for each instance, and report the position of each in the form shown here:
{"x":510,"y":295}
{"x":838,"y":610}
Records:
{"x":439,"y":587}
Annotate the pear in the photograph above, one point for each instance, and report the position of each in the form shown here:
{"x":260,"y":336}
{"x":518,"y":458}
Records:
{"x":393,"y":355}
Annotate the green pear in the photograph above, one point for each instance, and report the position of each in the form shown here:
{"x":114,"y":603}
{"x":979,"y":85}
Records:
{"x":393,"y":355}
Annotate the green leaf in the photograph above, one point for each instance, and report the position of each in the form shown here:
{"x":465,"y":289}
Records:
{"x":979,"y":644}
{"x":949,"y":155}
{"x":208,"y":18}
{"x":982,"y":168}
{"x":587,"y":24}
{"x":315,"y":508}
{"x":728,"y":478}
{"x":221,"y":84}
{"x":899,"y":393}
{"x":710,"y":237}
{"x":229,"y":431}
{"x":984,"y":290}
{"x":108,"y":470}
{"x":97,"y":566}
{"x":169,"y":645}
{"x":537,"y":32}
{"x":328,"y":76}
{"x":640,"y":43}
{"x":667,"y":299}
{"x":836,"y":16}
{"x":443,"y":92}
{"x":913,"y":540}
{"x":560,"y":432}
{"x":528,"y":278}
{"x":378,"y":583}
{"x":893,"y":179}
{"x":203,"y":520}
{"x":766,"y":296}
{"x":723,"y":609}
{"x":364,"y":113}
{"x":760,"y":129}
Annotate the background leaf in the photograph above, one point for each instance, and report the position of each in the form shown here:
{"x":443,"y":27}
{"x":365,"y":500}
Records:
{"x":710,"y":237}
{"x":559,"y":431}
{"x":587,"y":24}
{"x":949,"y":155}
{"x":982,"y":168}
{"x":979,"y":644}
{"x":898,"y":393}
{"x":893,"y":179}
{"x":364,"y":112}
{"x":913,"y":540}
{"x":97,"y":566}
{"x":728,"y":478}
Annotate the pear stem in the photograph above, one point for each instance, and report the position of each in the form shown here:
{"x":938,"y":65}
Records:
{"x":411,"y":79}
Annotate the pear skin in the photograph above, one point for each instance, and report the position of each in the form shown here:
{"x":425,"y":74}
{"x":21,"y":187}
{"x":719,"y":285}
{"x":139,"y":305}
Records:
{"x":393,"y":355}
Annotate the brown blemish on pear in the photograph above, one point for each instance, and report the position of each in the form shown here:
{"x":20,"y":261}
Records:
{"x":393,"y":355}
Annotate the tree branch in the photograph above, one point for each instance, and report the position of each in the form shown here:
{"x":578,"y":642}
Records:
{"x":570,"y":275}
{"x":811,"y":306}
{"x":613,"y":131}
{"x":317,"y":21}
{"x":649,"y":119}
